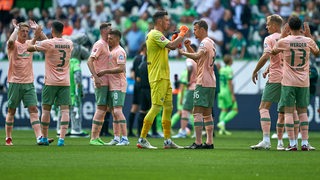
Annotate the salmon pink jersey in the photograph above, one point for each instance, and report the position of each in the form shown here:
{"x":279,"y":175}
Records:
{"x":193,"y":76}
{"x":296,"y":53}
{"x":117,"y":81}
{"x":275,"y":68}
{"x":20,"y":63}
{"x":100,"y":51}
{"x":205,"y":74}
{"x":57,"y":58}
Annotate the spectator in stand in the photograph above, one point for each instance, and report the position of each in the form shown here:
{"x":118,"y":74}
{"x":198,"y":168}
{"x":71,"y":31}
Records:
{"x":134,"y":38}
{"x":67,"y":28}
{"x":189,"y":9}
{"x":99,"y":16}
{"x":273,"y":6}
{"x":285,"y":8}
{"x":217,"y":36}
{"x":312,"y":16}
{"x":85,"y":16}
{"x":238,"y":46}
{"x":67,"y":3}
{"x":145,"y":6}
{"x":143,"y":23}
{"x":242,"y":17}
{"x":77,"y":28}
{"x":59,"y":13}
{"x":15,"y":12}
{"x":115,"y":5}
{"x":228,"y":27}
{"x":45,"y":17}
{"x":216,"y":12}
{"x":31,"y":16}
{"x":298,"y":10}
{"x":202,"y":6}
{"x":118,"y":21}
{"x":72,"y":14}
{"x":128,"y":5}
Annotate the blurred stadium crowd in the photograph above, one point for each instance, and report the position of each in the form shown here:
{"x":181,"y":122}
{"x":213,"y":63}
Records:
{"x":236,"y":26}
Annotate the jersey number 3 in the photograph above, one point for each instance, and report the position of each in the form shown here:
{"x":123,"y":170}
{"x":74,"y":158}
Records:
{"x":62,"y":58}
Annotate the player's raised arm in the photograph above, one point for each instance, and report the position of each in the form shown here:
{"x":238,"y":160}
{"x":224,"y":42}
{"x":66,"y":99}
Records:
{"x":13,"y":37}
{"x":177,"y":39}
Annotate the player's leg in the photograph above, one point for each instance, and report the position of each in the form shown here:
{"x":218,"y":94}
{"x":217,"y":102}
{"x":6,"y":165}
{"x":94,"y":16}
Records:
{"x":302,"y":104}
{"x":288,"y":100}
{"x":30,"y":101}
{"x":9,"y":125}
{"x":101,"y":95}
{"x":132,"y":116}
{"x":280,"y":130}
{"x":224,"y":103}
{"x":270,"y":94}
{"x":296,"y":123}
{"x":208,"y":118}
{"x":14,"y":99}
{"x":105,"y":126}
{"x":64,"y":101}
{"x":232,"y":113}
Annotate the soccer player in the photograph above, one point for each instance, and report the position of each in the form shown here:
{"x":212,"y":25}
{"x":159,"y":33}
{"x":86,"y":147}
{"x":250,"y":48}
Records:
{"x":79,"y":53}
{"x":117,"y":87}
{"x":159,"y":78}
{"x":20,"y":79}
{"x":272,"y":91}
{"x":188,"y":97}
{"x":226,"y":99}
{"x":57,"y":79}
{"x":296,"y":49}
{"x":97,"y":62}
{"x":204,"y":92}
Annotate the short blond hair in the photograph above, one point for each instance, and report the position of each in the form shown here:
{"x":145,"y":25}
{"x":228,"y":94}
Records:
{"x":275,"y":18}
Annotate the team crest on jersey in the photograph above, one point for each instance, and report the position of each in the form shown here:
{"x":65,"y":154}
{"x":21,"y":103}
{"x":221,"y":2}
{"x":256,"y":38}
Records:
{"x":162,"y":38}
{"x":201,"y":45}
{"x":265,"y":45}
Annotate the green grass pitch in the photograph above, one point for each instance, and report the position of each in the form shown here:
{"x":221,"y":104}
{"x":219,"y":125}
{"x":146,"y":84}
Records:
{"x":231,"y":159}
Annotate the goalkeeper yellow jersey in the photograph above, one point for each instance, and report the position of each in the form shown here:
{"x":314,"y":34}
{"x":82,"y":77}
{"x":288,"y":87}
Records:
{"x":157,"y":56}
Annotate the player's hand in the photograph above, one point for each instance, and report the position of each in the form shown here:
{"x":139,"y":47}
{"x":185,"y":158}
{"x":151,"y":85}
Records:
{"x":37,"y":32}
{"x":97,"y":82}
{"x":174,"y":36}
{"x":15,"y":24}
{"x":306,"y":31}
{"x":183,"y":30}
{"x":285,"y":31}
{"x":254,"y":77}
{"x":180,"y":51}
{"x":187,"y":42}
{"x":101,"y":73}
{"x":33,"y":24}
{"x":265,"y":73}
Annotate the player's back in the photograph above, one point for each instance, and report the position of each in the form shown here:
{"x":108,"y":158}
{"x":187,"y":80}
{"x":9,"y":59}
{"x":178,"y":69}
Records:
{"x":57,"y":57}
{"x":296,"y":52}
{"x":225,"y":74}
